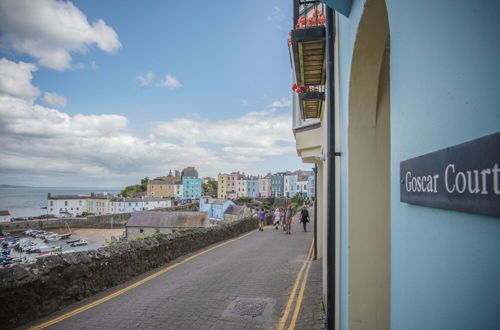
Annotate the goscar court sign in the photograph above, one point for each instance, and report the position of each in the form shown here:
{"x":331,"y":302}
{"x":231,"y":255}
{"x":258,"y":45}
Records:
{"x":464,"y":177}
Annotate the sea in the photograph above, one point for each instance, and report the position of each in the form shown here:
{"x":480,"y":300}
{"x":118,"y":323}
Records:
{"x":28,"y":202}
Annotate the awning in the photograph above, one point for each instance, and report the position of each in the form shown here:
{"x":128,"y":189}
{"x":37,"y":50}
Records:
{"x":342,"y":6}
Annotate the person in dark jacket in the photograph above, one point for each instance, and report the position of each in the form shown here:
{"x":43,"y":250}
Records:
{"x":304,"y":217}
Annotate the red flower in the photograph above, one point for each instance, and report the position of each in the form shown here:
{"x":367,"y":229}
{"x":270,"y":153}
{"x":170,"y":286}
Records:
{"x":294,"y":87}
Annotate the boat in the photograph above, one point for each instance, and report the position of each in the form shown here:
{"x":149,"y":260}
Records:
{"x":6,"y":252}
{"x":52,"y":238}
{"x":80,"y":242}
{"x":65,"y":236}
{"x":73,"y":241}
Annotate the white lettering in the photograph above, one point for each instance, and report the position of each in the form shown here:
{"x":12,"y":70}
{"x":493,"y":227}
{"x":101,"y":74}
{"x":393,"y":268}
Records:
{"x":436,"y":176}
{"x":484,"y":172}
{"x":419,"y":184}
{"x":407,"y":181}
{"x":495,"y":179}
{"x":446,"y":178}
{"x":476,"y":182}
{"x":414,"y":184}
{"x":423,"y":184}
{"x":464,"y":184}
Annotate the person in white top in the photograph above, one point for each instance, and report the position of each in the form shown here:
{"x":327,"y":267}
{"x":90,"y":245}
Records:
{"x":277,"y":216}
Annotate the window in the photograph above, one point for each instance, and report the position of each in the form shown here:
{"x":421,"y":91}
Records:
{"x":51,"y":203}
{"x":65,"y":203}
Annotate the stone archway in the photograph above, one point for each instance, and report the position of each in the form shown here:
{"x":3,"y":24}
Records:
{"x":369,"y":172}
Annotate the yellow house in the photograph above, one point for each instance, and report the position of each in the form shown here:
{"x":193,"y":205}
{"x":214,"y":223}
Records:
{"x":222,"y":185}
{"x":159,"y":188}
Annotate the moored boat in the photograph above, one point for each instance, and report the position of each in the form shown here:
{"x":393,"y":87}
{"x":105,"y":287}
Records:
{"x":79,"y":242}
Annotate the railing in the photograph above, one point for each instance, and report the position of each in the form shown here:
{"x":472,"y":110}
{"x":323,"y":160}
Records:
{"x":308,"y":13}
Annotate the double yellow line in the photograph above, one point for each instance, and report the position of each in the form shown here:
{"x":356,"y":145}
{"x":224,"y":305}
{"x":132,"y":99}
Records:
{"x":132,"y":286}
{"x":301,"y":278}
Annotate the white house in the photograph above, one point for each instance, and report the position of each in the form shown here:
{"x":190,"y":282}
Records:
{"x":4,"y":216}
{"x":116,"y":205}
{"x":178,"y":190}
{"x":156,"y":203}
{"x":302,"y":188}
{"x":66,"y":205}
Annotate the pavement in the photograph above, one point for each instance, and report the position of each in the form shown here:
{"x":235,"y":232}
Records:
{"x":244,"y":284}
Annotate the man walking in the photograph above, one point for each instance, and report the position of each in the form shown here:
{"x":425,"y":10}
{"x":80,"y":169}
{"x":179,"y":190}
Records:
{"x":304,"y":217}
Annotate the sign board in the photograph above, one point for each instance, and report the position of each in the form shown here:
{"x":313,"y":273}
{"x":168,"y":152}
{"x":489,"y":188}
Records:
{"x":465,"y":177}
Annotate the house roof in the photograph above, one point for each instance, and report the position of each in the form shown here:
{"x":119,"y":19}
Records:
{"x":4,"y":213}
{"x":189,"y":172}
{"x":168,"y":219}
{"x":50,"y":196}
{"x":234,"y":209}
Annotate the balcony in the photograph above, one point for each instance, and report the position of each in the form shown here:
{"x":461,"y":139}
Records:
{"x":311,"y":101}
{"x":307,"y":43}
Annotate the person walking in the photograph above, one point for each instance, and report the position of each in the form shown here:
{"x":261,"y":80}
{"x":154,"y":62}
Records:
{"x":304,"y":217}
{"x":276,"y":221}
{"x":288,"y":220}
{"x":282,"y":219}
{"x":262,"y":217}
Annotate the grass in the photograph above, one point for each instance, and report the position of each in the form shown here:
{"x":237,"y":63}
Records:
{"x":154,"y":235}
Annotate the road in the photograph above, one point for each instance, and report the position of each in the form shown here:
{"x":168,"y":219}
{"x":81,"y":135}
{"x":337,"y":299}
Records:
{"x":243,"y":284}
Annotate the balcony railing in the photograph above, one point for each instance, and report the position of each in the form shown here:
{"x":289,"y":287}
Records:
{"x":307,"y":42}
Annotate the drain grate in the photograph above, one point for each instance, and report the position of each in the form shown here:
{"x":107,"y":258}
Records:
{"x":258,"y":309}
{"x":249,"y":307}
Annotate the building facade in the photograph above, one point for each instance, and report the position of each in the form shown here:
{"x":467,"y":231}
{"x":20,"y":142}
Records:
{"x":265,"y":186}
{"x":191,"y":184}
{"x":400,"y":86}
{"x":98,"y":204}
{"x":161,"y":188}
{"x":66,"y":205}
{"x":277,"y":185}
{"x":222,"y":182}
{"x":253,"y":187}
{"x":215,"y":207}
{"x":241,"y":187}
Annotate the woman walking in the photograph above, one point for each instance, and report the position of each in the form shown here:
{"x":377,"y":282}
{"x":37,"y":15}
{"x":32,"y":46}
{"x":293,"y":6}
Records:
{"x":262,"y":217}
{"x":288,"y":220}
{"x":276,"y":221}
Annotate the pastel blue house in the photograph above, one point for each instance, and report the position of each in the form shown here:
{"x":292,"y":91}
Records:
{"x":215,"y":207}
{"x":253,"y":187}
{"x":191,"y":188}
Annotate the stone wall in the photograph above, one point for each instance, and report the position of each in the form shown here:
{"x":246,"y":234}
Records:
{"x":28,"y":292}
{"x":100,"y":221}
{"x":109,"y":221}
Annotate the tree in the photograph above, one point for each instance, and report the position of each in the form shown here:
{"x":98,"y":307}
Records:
{"x":134,"y":190}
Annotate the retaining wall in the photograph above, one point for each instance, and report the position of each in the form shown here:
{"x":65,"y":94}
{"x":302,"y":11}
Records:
{"x":99,"y":221}
{"x":29,"y":292}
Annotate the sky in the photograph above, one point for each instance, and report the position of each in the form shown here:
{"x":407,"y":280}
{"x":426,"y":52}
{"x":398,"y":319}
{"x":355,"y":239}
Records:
{"x":103,"y":93}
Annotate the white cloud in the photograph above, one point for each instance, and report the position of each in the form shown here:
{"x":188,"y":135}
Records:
{"x":49,"y":144}
{"x":170,"y":82}
{"x":50,"y":30}
{"x":54,"y":99}
{"x":145,"y":79}
{"x":94,"y":65}
{"x":15,"y":79}
{"x":255,"y":135}
{"x":284,"y":102}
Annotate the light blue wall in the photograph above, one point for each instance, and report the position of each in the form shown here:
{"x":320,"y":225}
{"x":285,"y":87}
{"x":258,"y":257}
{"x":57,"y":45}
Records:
{"x":253,"y":188}
{"x":191,"y":187}
{"x":445,"y":90}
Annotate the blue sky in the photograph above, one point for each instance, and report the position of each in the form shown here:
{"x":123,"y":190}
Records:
{"x":105,"y":92}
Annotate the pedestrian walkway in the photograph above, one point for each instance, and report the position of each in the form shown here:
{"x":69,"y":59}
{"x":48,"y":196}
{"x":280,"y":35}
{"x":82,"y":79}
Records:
{"x":243,"y":284}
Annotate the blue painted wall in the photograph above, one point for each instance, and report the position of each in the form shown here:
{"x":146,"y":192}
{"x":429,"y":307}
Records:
{"x":191,"y":188}
{"x":445,"y":90}
{"x":253,"y":188}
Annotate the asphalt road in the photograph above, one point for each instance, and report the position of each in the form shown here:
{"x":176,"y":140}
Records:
{"x":244,"y":284}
